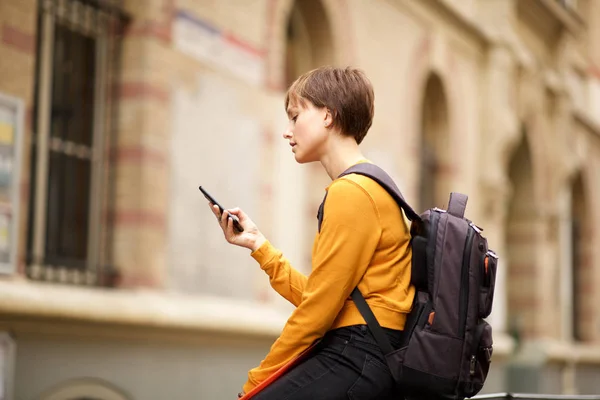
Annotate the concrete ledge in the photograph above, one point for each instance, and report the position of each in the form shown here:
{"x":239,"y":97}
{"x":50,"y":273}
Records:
{"x":576,"y":353}
{"x":26,"y":300}
{"x":544,"y":351}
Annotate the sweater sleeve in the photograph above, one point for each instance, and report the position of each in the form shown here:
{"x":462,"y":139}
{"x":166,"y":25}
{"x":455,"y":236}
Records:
{"x":350,"y":233}
{"x":286,"y":281}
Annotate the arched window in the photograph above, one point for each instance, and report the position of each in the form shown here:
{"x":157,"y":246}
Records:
{"x":84,"y":389}
{"x":520,"y":242}
{"x":434,"y":143}
{"x":309,"y":42}
{"x":581,"y":267}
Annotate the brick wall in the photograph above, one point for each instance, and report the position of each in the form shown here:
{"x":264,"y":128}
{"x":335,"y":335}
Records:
{"x":17,"y":69}
{"x":140,"y":156}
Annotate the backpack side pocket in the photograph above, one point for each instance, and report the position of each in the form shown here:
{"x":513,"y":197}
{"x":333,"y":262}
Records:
{"x":487,"y":267}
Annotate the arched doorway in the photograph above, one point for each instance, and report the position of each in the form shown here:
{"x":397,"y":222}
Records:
{"x":435,"y":138}
{"x":580,"y":321}
{"x":520,"y":242}
{"x":84,"y":389}
{"x":309,"y":42}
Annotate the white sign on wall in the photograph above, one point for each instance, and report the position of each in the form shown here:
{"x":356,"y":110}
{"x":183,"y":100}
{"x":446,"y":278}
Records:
{"x":206,"y":43}
{"x":11,"y":137}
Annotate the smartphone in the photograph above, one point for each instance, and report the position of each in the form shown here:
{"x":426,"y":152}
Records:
{"x":236,"y":222}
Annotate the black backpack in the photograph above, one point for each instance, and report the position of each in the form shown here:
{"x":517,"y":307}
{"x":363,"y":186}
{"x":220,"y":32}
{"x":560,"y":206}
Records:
{"x":447,"y":346}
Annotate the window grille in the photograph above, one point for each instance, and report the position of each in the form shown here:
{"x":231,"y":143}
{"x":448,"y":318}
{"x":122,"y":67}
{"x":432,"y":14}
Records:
{"x":77,"y":65}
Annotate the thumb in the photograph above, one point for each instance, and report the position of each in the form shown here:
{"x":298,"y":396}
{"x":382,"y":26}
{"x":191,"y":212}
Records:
{"x":238,"y":213}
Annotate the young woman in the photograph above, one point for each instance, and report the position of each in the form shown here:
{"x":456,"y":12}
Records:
{"x":362,"y":241}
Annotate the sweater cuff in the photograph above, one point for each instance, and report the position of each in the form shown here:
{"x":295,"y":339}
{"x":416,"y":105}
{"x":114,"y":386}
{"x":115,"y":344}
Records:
{"x":264,"y":253}
{"x":248,"y":386}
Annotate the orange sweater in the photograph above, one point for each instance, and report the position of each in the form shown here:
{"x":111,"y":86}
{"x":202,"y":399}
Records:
{"x":363,"y":241}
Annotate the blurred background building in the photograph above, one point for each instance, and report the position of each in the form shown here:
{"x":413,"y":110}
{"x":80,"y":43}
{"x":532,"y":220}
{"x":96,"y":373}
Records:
{"x":116,"y":281}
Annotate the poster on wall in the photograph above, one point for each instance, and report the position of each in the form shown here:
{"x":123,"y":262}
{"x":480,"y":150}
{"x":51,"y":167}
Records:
{"x":11,"y":135}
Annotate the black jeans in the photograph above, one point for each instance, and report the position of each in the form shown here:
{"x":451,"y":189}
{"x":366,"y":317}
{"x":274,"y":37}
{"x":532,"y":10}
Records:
{"x":347,"y":364}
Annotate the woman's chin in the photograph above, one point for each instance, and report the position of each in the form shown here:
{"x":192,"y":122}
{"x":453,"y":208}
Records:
{"x":300,"y":159}
{"x":304,"y":158}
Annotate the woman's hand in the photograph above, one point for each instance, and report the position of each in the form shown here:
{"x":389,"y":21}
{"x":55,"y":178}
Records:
{"x":251,"y":238}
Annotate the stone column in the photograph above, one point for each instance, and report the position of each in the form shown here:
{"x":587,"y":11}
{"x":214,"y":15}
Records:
{"x":499,"y":126}
{"x":140,"y":156}
{"x":558,"y":294}
{"x":591,"y":327}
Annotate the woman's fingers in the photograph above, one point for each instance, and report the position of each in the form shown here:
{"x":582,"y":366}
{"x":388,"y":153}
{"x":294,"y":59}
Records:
{"x":215,"y":210}
{"x":227,"y":226}
{"x":229,"y":232}
{"x":245,"y":221}
{"x":224,"y":219}
{"x":240,"y":214}
{"x":226,"y":223}
{"x":217,"y":214}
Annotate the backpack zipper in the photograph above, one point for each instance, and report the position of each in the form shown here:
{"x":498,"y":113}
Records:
{"x":434,"y":221}
{"x":464,"y":288}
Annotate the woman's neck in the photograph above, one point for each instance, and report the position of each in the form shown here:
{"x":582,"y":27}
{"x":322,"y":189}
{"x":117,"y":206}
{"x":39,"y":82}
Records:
{"x":343,"y":152}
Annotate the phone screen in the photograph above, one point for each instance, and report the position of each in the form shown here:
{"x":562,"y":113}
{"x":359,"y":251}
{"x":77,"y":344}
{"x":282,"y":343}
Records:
{"x":236,"y":222}
{"x":210,"y":198}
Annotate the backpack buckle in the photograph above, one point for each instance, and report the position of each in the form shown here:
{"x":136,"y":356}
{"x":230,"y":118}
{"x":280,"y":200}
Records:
{"x":475,"y":227}
{"x":488,"y":353}
{"x":472,"y":365}
{"x":492,"y":254}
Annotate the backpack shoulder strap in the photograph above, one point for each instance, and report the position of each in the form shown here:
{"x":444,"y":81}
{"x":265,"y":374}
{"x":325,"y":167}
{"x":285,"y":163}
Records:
{"x":320,"y":212}
{"x":382,"y":178}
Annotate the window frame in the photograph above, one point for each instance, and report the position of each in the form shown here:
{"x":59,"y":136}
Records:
{"x":52,"y":14}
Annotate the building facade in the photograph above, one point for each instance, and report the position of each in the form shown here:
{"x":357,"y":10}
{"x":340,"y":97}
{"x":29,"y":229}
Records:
{"x":116,"y":282}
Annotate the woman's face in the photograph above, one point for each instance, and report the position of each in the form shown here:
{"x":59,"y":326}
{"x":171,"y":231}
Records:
{"x":307,"y":131}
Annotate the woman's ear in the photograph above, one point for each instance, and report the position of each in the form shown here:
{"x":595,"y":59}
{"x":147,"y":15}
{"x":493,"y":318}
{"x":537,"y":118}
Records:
{"x":328,"y":118}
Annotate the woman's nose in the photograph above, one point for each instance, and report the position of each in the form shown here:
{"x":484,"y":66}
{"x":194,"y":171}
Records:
{"x":287,"y":134}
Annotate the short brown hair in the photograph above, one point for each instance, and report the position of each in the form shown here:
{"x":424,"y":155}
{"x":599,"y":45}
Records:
{"x":346,"y":92}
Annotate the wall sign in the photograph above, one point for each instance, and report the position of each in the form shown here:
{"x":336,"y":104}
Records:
{"x":11,"y":138}
{"x":206,"y":43}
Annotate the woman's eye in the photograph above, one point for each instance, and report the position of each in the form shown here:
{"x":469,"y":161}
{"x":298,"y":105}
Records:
{"x":294,"y":118}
